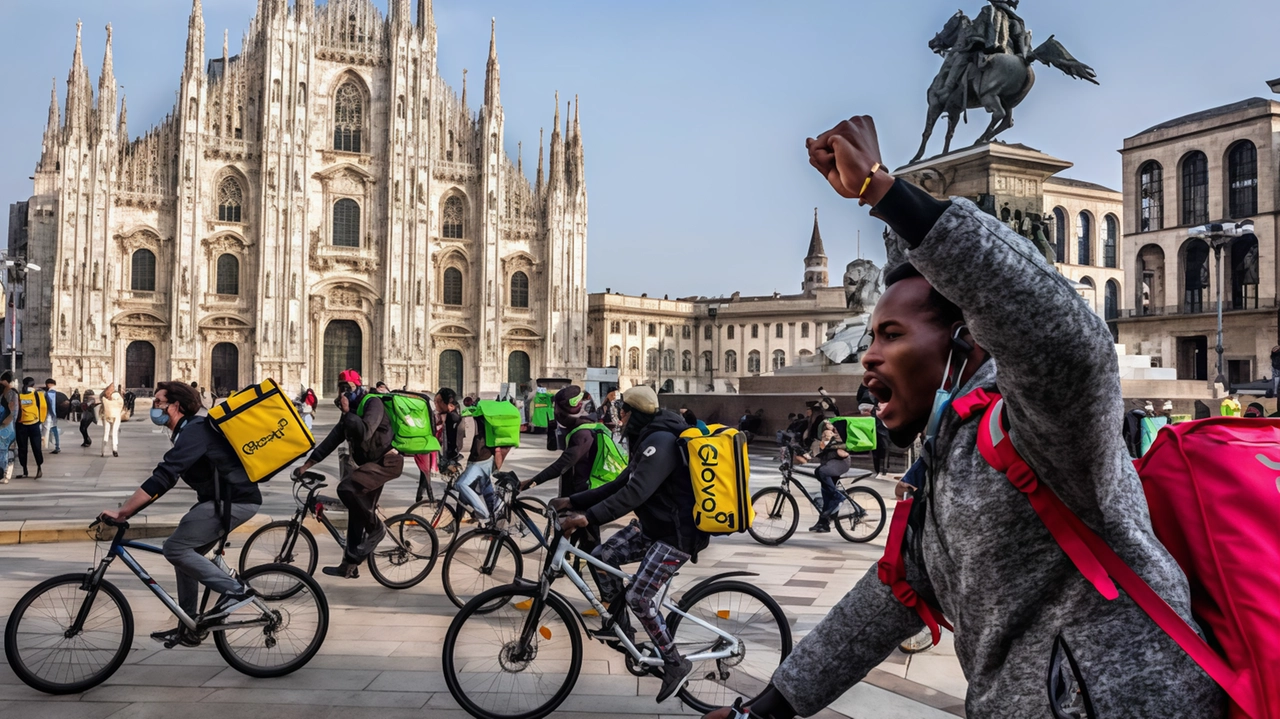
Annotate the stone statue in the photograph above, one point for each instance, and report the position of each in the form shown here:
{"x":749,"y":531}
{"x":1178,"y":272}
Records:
{"x":987,"y":64}
{"x":861,"y":286}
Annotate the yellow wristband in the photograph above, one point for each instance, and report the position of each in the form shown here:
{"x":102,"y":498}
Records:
{"x":866,"y":185}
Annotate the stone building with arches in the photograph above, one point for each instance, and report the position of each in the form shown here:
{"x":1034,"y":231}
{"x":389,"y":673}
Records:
{"x":1084,"y":230}
{"x":322,"y":200}
{"x":1221,"y":164}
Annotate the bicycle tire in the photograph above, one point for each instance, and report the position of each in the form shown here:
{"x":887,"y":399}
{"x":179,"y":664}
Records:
{"x":528,"y":542}
{"x":922,"y":641}
{"x":13,"y":643}
{"x":300,"y":581}
{"x":780,"y":505}
{"x":420,"y":544}
{"x":700,"y":693}
{"x":475,"y":610}
{"x":443,"y":518}
{"x":860,"y":528}
{"x":462,"y":574}
{"x":304,"y":541}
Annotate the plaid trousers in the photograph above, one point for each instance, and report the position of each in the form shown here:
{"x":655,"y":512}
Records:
{"x":658,"y":563}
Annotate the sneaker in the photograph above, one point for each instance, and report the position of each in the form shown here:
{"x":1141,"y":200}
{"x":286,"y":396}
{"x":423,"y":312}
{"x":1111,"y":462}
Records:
{"x":344,"y":570}
{"x":674,"y":677}
{"x":180,"y":636}
{"x":56,"y":451}
{"x":228,"y":601}
{"x":822,"y":526}
{"x":372,"y":539}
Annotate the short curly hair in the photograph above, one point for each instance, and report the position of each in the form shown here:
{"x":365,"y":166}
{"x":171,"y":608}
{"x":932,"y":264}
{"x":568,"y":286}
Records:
{"x":181,"y":394}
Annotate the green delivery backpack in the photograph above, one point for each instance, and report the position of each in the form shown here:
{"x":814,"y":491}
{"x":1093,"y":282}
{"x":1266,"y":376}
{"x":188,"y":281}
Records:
{"x":609,"y":459}
{"x":412,"y":421}
{"x":501,"y":422}
{"x":858,"y":433}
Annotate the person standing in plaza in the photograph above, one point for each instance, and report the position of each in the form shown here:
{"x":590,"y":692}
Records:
{"x":88,"y":415}
{"x":33,"y":409}
{"x":307,"y":407}
{"x":53,"y":438}
{"x":609,"y":411}
{"x":1230,"y":406}
{"x":112,"y":413}
{"x":8,"y":422}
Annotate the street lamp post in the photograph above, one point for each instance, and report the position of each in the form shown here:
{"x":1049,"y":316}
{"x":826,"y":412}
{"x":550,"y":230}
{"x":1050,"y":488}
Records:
{"x":1220,"y":235}
{"x":18,"y":269}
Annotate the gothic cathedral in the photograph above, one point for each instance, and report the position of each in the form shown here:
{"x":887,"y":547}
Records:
{"x":321,"y":201}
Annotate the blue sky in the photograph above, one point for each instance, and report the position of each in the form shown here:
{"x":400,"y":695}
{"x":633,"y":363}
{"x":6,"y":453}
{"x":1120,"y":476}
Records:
{"x":695,"y":112}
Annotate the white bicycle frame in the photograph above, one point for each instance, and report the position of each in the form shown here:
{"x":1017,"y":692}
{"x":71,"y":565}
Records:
{"x":560,"y":565}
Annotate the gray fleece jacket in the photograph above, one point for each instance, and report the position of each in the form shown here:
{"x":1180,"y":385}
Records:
{"x":997,"y":574}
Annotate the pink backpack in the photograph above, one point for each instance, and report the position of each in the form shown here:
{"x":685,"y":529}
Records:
{"x":1213,"y":487}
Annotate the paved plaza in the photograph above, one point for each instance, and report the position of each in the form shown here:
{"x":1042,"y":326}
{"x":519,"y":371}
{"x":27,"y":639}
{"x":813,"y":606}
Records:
{"x":382,"y":652}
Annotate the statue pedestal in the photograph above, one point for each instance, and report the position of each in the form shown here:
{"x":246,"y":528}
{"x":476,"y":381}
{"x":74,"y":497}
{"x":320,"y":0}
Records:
{"x":1005,"y":180}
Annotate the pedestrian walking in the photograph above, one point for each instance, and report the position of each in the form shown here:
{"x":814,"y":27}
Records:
{"x":8,"y":422}
{"x":112,"y":413}
{"x":88,"y":416}
{"x":33,"y":410}
{"x":52,"y":437}
{"x":307,"y":407}
{"x":77,"y":404}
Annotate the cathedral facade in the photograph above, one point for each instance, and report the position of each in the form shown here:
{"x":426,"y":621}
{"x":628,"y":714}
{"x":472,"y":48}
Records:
{"x":321,"y":201}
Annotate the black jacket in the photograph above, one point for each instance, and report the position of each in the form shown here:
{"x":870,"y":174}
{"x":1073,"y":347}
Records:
{"x":655,"y":485}
{"x":573,"y":466}
{"x":199,"y":455}
{"x":369,"y":436}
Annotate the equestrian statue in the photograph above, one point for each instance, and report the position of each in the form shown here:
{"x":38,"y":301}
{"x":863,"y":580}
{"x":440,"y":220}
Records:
{"x":987,"y":64}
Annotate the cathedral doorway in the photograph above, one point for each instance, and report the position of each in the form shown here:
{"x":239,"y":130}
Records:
{"x":343,"y":349}
{"x":140,"y":365}
{"x":451,"y":370}
{"x":518,"y":371}
{"x":225,"y":375}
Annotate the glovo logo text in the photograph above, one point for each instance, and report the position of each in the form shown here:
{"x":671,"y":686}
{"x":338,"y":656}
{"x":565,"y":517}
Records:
{"x":706,"y":498}
{"x":254,"y":445}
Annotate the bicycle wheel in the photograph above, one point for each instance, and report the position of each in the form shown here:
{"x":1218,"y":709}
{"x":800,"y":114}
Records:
{"x":776,"y":516}
{"x":862,"y":517}
{"x":278,"y":543}
{"x":526,"y":541}
{"x":406,"y":555}
{"x":480,"y":560}
{"x":748,"y":614}
{"x":45,"y":658}
{"x":485,"y":669}
{"x":919,"y":643}
{"x":295,"y":618}
{"x":443,"y":518}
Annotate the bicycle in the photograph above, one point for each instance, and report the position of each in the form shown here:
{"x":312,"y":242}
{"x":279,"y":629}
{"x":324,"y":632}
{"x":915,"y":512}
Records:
{"x":859,"y":520}
{"x":489,"y":556}
{"x":446,"y":519}
{"x":401,"y":560}
{"x":73,"y":631}
{"x":516,"y":650}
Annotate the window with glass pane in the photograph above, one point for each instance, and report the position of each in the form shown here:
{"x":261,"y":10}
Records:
{"x":1195,"y":189}
{"x":1244,"y":273}
{"x":454,"y":214}
{"x":729,"y":332}
{"x":615,"y":327}
{"x":730,"y":361}
{"x":753,"y":362}
{"x":228,"y":275}
{"x":779,"y":359}
{"x":777,"y":330}
{"x":346,"y":223}
{"x":706,"y":332}
{"x":686,"y":361}
{"x":615,"y":357}
{"x":653,"y":330}
{"x":669,"y":361}
{"x":1111,"y":301}
{"x":804,"y":330}
{"x":230,"y":199}
{"x":631,"y":328}
{"x":755,"y":331}
{"x":1151,"y":196}
{"x":1112,"y":229}
{"x":1195,"y":276}
{"x":1084,"y":238}
{"x":1242,"y":171}
{"x":633,"y":358}
{"x":706,"y":362}
{"x":651,"y":360}
{"x":452,"y":286}
{"x":142,"y":276}
{"x":686,"y":332}
{"x":1060,"y":233}
{"x":348,"y":118}
{"x":519,"y":290}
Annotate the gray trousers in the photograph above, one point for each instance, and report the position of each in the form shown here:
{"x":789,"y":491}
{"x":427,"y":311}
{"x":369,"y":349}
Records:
{"x":197,"y":533}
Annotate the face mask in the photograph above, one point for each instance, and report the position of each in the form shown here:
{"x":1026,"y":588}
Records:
{"x":159,"y":417}
{"x":942,"y":397}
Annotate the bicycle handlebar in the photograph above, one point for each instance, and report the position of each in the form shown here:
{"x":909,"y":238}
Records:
{"x":309,"y":477}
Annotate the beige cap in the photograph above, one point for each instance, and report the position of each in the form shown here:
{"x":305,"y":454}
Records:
{"x":641,"y":398}
{"x":1168,"y":405}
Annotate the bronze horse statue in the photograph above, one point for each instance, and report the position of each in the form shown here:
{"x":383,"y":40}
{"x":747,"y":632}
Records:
{"x":1001,"y":84}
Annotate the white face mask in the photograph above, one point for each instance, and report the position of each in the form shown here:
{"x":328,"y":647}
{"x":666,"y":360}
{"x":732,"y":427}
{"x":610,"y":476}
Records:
{"x":942,"y":397}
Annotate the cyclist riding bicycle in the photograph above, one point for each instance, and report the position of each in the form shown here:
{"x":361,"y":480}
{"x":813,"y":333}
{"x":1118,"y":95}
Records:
{"x":474,"y":484}
{"x":655,"y":485}
{"x":371,"y":464}
{"x":573,"y":466}
{"x":225,"y":499}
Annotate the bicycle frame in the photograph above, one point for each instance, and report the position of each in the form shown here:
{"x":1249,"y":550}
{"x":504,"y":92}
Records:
{"x":788,"y":479}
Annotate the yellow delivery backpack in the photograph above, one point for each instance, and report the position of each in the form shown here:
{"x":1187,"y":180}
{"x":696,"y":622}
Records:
{"x":720,"y":472}
{"x":263,"y":428}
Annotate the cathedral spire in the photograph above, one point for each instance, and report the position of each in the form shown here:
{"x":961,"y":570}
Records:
{"x":107,"y":89}
{"x":195,"y":39}
{"x":400,"y":17}
{"x":123,"y":131}
{"x":576,"y":145}
{"x":79,"y":93}
{"x":537,"y":188}
{"x":225,"y":34}
{"x":520,"y":158}
{"x":555,"y":176}
{"x":426,"y":19}
{"x":464,"y":89}
{"x":49,"y":149}
{"x":491,"y":70}
{"x":53,"y":111}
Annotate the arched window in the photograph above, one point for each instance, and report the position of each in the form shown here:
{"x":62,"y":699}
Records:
{"x":142,"y":276}
{"x":1060,"y":233}
{"x":346,"y":223}
{"x":519,"y":290}
{"x":1195,"y":189}
{"x":1111,"y":301}
{"x":633,"y":359}
{"x":1195,"y":275}
{"x":1111,"y":228}
{"x":779,"y":359}
{"x":686,"y":361}
{"x":228,"y":274}
{"x":729,"y":332}
{"x":651,"y":360}
{"x":1244,"y":273}
{"x":806,"y":353}
{"x":348,"y":117}
{"x":730,"y":361}
{"x":230,"y":199}
{"x":753,"y":362}
{"x":669,"y":361}
{"x":706,"y":332}
{"x":615,"y":327}
{"x":452,"y":218}
{"x":615,"y":357}
{"x":706,"y":362}
{"x":1151,"y":290}
{"x":804,"y":330}
{"x":1084,"y":238}
{"x":452,"y":286}
{"x":631,"y":327}
{"x":451,"y":370}
{"x":1242,"y":172}
{"x":1151,"y":195}
{"x":755,"y":331}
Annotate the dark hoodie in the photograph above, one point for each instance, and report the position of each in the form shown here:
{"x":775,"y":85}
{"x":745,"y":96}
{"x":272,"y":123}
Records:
{"x":573,"y":466}
{"x":655,"y":485}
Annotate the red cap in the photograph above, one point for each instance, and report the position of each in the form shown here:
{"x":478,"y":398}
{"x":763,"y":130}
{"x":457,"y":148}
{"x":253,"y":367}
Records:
{"x":351,"y":377}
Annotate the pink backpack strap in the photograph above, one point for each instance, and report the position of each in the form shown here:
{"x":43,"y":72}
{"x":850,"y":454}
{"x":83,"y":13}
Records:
{"x":892,"y":570}
{"x":1094,"y":557}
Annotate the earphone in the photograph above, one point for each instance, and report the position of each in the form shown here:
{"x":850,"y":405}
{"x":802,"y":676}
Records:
{"x":959,"y":344}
